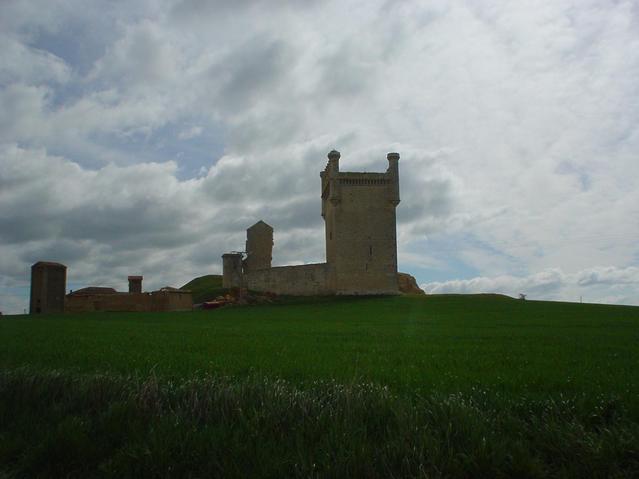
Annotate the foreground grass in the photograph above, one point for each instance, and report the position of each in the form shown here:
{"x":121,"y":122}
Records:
{"x":410,"y":344}
{"x":58,"y":424}
{"x":444,"y":386}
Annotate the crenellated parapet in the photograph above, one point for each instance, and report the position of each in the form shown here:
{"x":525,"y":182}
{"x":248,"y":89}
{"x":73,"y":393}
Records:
{"x":334,"y":180}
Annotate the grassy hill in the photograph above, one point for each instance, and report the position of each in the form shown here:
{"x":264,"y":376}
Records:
{"x":446,"y":385}
{"x":205,"y":288}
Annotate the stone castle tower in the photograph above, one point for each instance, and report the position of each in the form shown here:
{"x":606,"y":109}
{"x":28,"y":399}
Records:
{"x":135,"y":284}
{"x":359,"y":216}
{"x":259,"y":247}
{"x":361,"y":240}
{"x":48,"y":287}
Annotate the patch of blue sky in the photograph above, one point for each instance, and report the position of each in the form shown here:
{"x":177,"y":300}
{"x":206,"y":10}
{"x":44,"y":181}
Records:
{"x":448,"y":264}
{"x":18,"y":290}
{"x":77,"y":44}
{"x":194,"y":155}
{"x":454,"y":270}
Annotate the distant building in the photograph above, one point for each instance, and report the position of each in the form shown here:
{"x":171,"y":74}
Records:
{"x":90,"y":299}
{"x":361,"y":241}
{"x":48,"y":287}
{"x":135,"y":284}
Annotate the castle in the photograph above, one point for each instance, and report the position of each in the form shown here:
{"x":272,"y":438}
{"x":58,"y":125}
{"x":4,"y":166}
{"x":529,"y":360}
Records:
{"x":361,"y":255}
{"x":361,"y":240}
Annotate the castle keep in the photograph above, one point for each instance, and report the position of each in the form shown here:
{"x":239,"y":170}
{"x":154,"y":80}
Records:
{"x":361,"y":241}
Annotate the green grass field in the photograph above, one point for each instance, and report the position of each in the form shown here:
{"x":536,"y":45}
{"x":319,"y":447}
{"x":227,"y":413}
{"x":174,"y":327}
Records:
{"x":431,"y":386}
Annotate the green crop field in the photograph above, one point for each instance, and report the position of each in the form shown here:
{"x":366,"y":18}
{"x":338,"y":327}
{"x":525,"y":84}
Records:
{"x":434,"y":386}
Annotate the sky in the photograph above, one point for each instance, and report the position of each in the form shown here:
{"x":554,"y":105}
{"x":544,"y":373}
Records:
{"x":144,"y":137}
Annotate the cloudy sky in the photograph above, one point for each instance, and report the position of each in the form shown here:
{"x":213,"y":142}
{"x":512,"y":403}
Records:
{"x":143,"y":137}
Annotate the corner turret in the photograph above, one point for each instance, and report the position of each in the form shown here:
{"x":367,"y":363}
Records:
{"x":333,"y":161}
{"x":393,"y":173}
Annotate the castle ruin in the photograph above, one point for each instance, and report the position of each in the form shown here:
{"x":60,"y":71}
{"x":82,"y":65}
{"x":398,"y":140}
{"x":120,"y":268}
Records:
{"x":361,"y":240}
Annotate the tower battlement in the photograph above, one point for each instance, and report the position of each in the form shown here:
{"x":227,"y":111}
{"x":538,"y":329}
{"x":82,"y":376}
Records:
{"x":333,"y":180}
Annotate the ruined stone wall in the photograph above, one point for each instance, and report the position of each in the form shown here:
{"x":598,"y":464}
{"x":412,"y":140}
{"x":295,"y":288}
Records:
{"x":302,"y":280}
{"x":171,"y":301}
{"x":108,"y":302}
{"x":134,"y":302}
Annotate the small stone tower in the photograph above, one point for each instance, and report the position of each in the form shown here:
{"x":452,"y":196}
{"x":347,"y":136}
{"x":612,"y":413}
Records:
{"x":359,"y":216}
{"x":135,"y":284}
{"x":259,"y":247}
{"x":48,"y":287}
{"x":232,"y":276}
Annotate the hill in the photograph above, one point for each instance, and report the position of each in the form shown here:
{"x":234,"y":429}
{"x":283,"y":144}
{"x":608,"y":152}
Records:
{"x":205,"y":288}
{"x":439,"y":385}
{"x":208,"y":287}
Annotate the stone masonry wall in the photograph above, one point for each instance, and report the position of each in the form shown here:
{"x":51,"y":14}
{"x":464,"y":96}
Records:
{"x":302,"y":280}
{"x":137,"y":302}
{"x":363,"y":238}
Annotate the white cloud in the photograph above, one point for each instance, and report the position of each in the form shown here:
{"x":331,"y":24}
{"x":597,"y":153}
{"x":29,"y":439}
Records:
{"x":189,"y":133}
{"x":20,"y":63}
{"x":600,"y":284}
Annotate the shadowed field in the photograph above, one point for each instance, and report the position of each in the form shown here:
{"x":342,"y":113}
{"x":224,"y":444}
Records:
{"x":432,"y":386}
